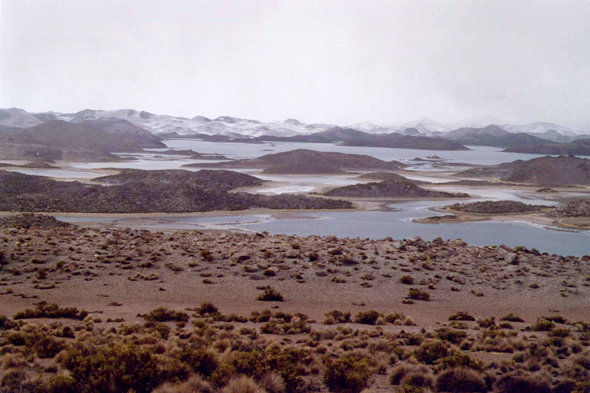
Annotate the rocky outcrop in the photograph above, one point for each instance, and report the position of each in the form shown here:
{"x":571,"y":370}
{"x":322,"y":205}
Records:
{"x":547,"y":170}
{"x":400,"y":141}
{"x":220,"y":179}
{"x":572,"y":209}
{"x":302,"y":168}
{"x":580,"y":147}
{"x":390,"y":189}
{"x":88,"y":141}
{"x":309,"y":158}
{"x":29,"y":220}
{"x":496,"y":207}
{"x":384,"y":176}
{"x":194,"y":155}
{"x":26,"y":193}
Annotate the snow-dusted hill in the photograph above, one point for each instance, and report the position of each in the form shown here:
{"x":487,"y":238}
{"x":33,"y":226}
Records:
{"x":14,"y":117}
{"x":238,"y":127}
{"x":539,"y":128}
{"x":223,"y":125}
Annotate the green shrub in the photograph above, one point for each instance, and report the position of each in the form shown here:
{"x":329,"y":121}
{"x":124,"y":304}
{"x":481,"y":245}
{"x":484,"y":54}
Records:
{"x":339,"y":316}
{"x":207,"y":308}
{"x":555,"y":318}
{"x":512,"y":317}
{"x":400,"y":372}
{"x":200,"y":361}
{"x":418,"y":380}
{"x":6,"y":323}
{"x":48,"y":347}
{"x":395,"y":316}
{"x":460,"y":380}
{"x":450,"y":335}
{"x":461,"y":316}
{"x":206,"y":255}
{"x":349,"y":374}
{"x":406,"y":279}
{"x":522,"y":384}
{"x":62,"y":384}
{"x":487,"y":323}
{"x":162,"y":314}
{"x":429,"y":352}
{"x":542,"y":325}
{"x":270,"y":295}
{"x":417,"y":294}
{"x":460,"y":359}
{"x":44,"y":310}
{"x":119,"y":368}
{"x":367,"y":317}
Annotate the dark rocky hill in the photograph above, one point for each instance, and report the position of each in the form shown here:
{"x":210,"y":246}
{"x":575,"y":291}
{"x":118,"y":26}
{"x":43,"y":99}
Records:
{"x":112,"y":135}
{"x":301,"y":168}
{"x":547,"y":170}
{"x":338,"y":134}
{"x":492,"y":135}
{"x":389,"y":189}
{"x":580,"y":147}
{"x":24,"y":193}
{"x":496,"y":207}
{"x":309,"y":158}
{"x":91,"y":140}
{"x":399,"y":141}
{"x":572,"y":209}
{"x":384,"y":176}
{"x":222,"y":180}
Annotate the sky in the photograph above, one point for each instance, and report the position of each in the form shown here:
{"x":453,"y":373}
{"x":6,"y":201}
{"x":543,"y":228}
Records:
{"x":333,"y":61}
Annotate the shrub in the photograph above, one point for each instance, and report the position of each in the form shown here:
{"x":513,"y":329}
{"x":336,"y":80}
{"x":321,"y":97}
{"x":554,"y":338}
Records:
{"x":163,"y":314}
{"x":461,"y":316}
{"x":395,"y":316}
{"x":555,"y":318}
{"x":418,"y":380}
{"x":459,"y":359}
{"x":450,"y":335}
{"x":13,"y":378}
{"x":272,"y":382}
{"x":194,"y":384}
{"x":270,"y":295}
{"x":417,"y":294}
{"x":339,"y":316}
{"x":542,"y":325}
{"x":460,"y":380}
{"x":242,"y":384}
{"x":367,"y":317}
{"x":487,"y":323}
{"x":200,"y":361}
{"x":206,"y":255}
{"x":48,"y":347}
{"x":512,"y":317}
{"x":522,"y":384}
{"x":400,"y":372}
{"x":119,"y":368}
{"x":207,"y":308}
{"x":430,"y":352}
{"x":62,"y":384}
{"x":6,"y":323}
{"x":44,"y":310}
{"x":349,"y":374}
{"x":406,"y":279}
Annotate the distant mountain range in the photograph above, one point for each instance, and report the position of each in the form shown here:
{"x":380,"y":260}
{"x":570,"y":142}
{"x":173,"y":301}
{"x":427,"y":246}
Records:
{"x":228,"y":125}
{"x":423,"y":133}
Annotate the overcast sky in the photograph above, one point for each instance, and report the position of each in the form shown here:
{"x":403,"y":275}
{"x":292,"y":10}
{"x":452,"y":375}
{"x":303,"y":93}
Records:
{"x":334,"y":61}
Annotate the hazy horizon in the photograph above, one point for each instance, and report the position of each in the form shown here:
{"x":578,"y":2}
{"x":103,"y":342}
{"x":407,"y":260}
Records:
{"x":337,"y":62}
